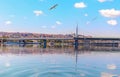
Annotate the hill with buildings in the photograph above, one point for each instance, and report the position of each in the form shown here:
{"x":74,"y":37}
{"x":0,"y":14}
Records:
{"x":35,"y":35}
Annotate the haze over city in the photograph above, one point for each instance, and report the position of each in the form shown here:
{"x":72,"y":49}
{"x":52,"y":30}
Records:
{"x":98,"y":18}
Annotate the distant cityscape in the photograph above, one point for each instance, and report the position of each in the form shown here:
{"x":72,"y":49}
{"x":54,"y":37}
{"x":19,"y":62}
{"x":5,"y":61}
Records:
{"x":36,"y":35}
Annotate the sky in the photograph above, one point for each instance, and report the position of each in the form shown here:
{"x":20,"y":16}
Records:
{"x":98,"y":18}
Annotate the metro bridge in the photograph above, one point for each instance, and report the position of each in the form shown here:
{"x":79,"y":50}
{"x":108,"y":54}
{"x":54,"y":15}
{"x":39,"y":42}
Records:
{"x":86,"y":41}
{"x":41,"y":38}
{"x":69,"y":38}
{"x":76,"y":41}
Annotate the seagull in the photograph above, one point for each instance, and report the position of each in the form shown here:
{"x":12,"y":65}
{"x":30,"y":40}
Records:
{"x":94,"y":18}
{"x":88,"y":22}
{"x":53,"y":6}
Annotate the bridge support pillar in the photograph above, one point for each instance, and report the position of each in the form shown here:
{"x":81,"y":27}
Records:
{"x":22,"y":42}
{"x":86,"y":44}
{"x":2,"y":41}
{"x":62,"y":43}
{"x":76,"y":43}
{"x":52,"y":43}
{"x":44,"y":43}
{"x":114,"y":45}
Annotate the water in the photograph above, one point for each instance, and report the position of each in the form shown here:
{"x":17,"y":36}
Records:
{"x":35,"y":61}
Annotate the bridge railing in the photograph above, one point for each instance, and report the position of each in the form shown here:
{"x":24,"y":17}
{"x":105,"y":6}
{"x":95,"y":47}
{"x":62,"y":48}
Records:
{"x":33,"y":38}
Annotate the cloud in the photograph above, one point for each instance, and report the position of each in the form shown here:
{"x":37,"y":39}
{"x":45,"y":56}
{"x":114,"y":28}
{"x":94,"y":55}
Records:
{"x":12,"y":16}
{"x":101,"y":0}
{"x":58,"y":23}
{"x":41,"y":0}
{"x":24,"y":17}
{"x":7,"y":64}
{"x":104,"y":0}
{"x":8,"y":22}
{"x":80,"y":5}
{"x":38,"y":12}
{"x":44,"y":26}
{"x":112,"y":22}
{"x":86,"y":14}
{"x":110,"y":13}
{"x":82,"y":74}
{"x":88,"y":22}
{"x":111,"y":66}
{"x":104,"y":74}
{"x":53,"y":27}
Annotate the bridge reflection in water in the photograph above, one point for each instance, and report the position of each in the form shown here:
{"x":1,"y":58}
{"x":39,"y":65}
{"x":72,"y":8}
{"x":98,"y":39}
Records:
{"x":57,"y":61}
{"x":81,"y":48}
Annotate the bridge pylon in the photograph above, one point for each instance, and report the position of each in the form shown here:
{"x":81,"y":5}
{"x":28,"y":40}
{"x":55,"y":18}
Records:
{"x":76,"y":34}
{"x":76,"y":38}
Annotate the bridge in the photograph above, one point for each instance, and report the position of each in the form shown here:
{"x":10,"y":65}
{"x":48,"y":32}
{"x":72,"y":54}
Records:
{"x":41,"y":38}
{"x":69,"y":38}
{"x":98,"y":38}
{"x":76,"y":41}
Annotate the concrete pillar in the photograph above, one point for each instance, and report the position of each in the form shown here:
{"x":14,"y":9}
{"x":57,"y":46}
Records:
{"x":51,"y":43}
{"x":114,"y":45}
{"x":62,"y":43}
{"x":76,"y":43}
{"x":40,"y":42}
{"x":2,"y":41}
{"x":44,"y":43}
{"x":22,"y":42}
{"x":86,"y":43}
{"x":19,"y":41}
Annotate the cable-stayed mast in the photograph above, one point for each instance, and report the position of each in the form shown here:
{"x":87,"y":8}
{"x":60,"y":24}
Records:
{"x":76,"y":30}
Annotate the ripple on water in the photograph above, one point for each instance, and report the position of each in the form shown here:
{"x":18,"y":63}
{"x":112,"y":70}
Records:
{"x":52,"y":71}
{"x":59,"y":71}
{"x":22,"y":71}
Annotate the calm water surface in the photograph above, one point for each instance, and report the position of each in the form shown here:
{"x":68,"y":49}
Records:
{"x":34,"y":61}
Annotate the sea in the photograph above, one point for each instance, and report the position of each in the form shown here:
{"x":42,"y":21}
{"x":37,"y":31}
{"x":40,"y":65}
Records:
{"x":58,"y":61}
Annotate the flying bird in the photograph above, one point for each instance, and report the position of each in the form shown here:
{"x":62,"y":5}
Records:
{"x":54,"y":6}
{"x":88,"y":22}
{"x":94,"y":18}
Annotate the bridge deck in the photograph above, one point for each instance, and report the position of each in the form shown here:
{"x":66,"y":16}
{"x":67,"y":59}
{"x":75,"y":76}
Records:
{"x":37,"y":38}
{"x":117,"y":39}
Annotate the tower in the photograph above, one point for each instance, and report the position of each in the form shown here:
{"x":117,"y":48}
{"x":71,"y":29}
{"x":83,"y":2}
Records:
{"x":76,"y":38}
{"x":76,"y":31}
